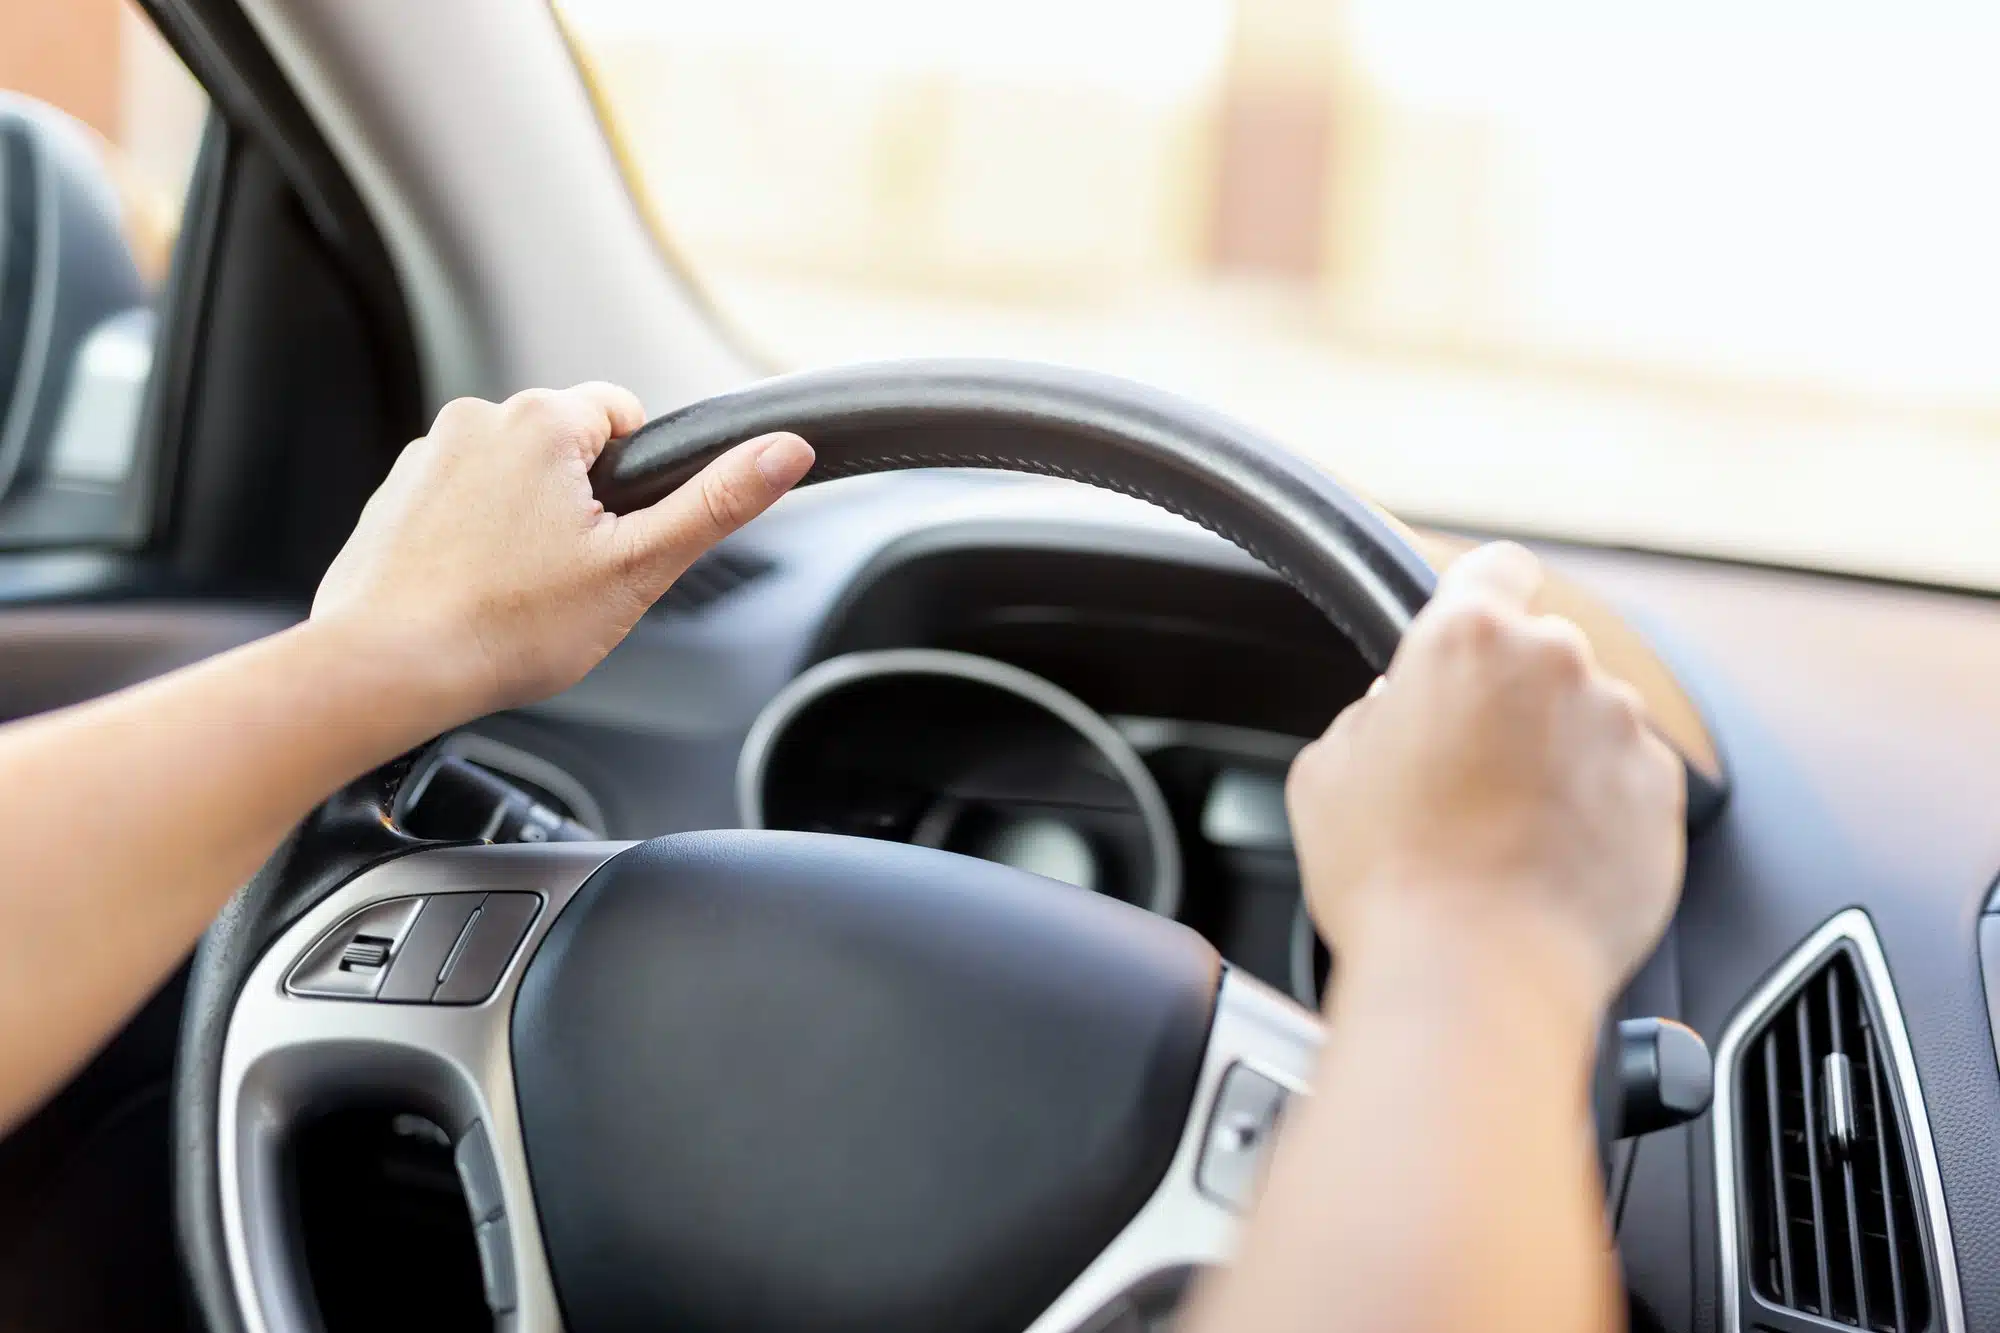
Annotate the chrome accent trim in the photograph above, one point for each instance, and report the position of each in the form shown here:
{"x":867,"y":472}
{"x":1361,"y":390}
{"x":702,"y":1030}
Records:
{"x":837,"y":673}
{"x":1852,"y":927}
{"x":285,"y":1054}
{"x":1836,"y":1082}
{"x":1254,"y":1026}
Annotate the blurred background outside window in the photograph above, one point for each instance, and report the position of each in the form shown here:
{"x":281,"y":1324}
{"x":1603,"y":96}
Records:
{"x":99,"y":127}
{"x":1719,"y":276}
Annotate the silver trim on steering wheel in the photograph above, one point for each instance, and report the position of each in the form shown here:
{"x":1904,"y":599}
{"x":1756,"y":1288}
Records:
{"x":287,"y":1057}
{"x":1258,"y":1030}
{"x":837,"y":673}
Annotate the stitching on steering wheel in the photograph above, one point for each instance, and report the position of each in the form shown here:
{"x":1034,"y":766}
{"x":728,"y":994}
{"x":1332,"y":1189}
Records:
{"x":854,"y":467}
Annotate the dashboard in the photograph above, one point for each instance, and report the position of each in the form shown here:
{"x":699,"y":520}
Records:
{"x":1078,"y":684}
{"x":969,"y":753}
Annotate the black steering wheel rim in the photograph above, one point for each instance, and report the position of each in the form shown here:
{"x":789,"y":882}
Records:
{"x":1335,"y":549}
{"x":1013,"y":416}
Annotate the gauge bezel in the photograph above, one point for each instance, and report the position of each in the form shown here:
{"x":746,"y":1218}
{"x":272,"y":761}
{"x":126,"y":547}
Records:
{"x":1163,"y":897}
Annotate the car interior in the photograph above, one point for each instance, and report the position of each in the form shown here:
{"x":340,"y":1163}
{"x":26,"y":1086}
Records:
{"x":545,"y":1025}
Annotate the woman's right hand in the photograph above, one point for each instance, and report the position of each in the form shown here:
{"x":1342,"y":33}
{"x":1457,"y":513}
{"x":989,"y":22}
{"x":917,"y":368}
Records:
{"x":1495,"y":791}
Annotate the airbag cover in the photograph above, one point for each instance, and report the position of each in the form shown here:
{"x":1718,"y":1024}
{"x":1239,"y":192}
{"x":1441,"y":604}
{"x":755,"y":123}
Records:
{"x":787,"y":1081}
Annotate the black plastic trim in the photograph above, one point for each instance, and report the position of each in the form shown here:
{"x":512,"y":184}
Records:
{"x":223,"y":50}
{"x":166,"y":414}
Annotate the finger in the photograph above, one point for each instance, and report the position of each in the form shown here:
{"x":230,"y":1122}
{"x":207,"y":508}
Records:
{"x":623,"y":412}
{"x":462,"y":417}
{"x":1319,"y":757}
{"x":1350,"y":717}
{"x":1623,"y":698}
{"x":1340,"y":731}
{"x":1672,"y":769}
{"x":554,"y":423}
{"x":1565,"y":642}
{"x":718,"y":500}
{"x":1505,"y":573}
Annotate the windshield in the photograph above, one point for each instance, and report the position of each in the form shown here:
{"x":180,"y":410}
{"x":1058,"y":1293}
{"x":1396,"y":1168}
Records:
{"x":1720,"y":276}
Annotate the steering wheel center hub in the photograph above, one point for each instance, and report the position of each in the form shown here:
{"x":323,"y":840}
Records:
{"x":787,"y":1081}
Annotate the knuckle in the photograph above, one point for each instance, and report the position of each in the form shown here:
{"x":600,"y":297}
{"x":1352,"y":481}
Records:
{"x":1626,"y":704}
{"x":534,"y":404}
{"x":1472,"y":623}
{"x":459,"y":414}
{"x":1563,"y":655}
{"x":555,"y":418}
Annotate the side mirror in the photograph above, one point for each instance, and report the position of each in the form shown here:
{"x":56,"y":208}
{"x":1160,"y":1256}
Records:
{"x":67,"y":279}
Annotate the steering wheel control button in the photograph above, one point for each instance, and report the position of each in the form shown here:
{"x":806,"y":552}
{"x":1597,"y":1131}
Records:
{"x":482,"y":953}
{"x":1240,"y":1130}
{"x":351,"y":961}
{"x":413,"y":977}
{"x":478,"y":1174}
{"x":496,"y":1264}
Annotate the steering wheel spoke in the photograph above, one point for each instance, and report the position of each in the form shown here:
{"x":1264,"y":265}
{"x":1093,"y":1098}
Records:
{"x":307,"y":1038}
{"x":297,"y":1047}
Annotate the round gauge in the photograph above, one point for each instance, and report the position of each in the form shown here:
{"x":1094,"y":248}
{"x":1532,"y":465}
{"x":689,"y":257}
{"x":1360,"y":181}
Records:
{"x":1041,"y":845}
{"x":967,"y":754}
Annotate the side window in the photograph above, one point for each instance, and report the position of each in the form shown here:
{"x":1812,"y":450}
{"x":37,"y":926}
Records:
{"x":99,"y":127}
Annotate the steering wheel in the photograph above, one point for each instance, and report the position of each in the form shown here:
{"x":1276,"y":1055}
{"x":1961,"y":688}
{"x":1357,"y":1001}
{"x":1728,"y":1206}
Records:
{"x":747,"y":1080}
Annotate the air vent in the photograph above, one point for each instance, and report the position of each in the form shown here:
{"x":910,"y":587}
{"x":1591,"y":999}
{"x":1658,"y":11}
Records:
{"x":1829,"y":1199}
{"x":710,"y":579}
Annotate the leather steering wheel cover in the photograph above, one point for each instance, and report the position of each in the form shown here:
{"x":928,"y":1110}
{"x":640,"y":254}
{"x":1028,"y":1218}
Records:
{"x":1025,"y":417}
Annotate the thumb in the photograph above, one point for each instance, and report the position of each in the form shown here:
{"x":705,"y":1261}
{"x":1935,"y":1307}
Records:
{"x":741,"y":484}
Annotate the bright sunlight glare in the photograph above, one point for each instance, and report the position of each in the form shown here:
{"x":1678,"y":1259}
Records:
{"x":1142,"y":45}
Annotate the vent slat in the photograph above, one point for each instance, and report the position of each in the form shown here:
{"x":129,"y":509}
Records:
{"x":1807,"y":1085}
{"x":1783,"y":1213}
{"x":1883,"y":1129}
{"x":1836,"y":1028}
{"x":1831,"y":1206}
{"x":710,"y":579}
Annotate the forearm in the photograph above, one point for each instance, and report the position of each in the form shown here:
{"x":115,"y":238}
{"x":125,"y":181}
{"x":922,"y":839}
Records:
{"x":128,"y":821}
{"x":1443,"y":1175}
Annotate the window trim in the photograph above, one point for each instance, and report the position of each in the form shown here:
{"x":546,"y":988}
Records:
{"x":252,"y":102}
